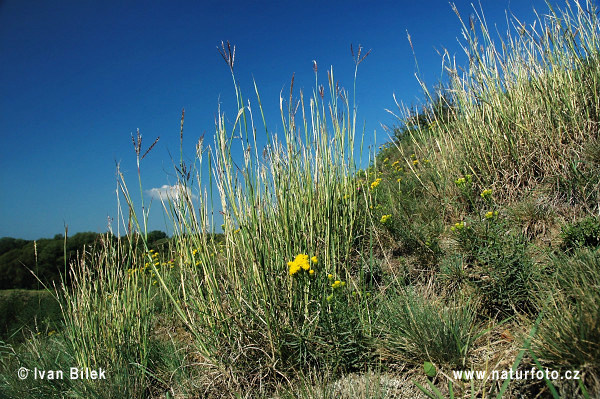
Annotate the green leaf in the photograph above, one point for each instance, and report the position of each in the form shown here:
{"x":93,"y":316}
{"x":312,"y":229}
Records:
{"x":430,"y":370}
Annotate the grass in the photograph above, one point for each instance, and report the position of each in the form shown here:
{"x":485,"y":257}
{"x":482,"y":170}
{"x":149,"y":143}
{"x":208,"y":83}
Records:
{"x":469,"y":237}
{"x":24,"y":309}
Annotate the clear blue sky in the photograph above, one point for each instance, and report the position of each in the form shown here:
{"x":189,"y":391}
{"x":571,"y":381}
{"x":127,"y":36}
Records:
{"x":77,"y":78}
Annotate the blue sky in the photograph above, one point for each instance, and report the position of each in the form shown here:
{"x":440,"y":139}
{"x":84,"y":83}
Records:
{"x":77,"y":78}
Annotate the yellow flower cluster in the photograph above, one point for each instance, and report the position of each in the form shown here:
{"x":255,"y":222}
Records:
{"x":458,"y":226}
{"x":302,"y":263}
{"x":491,"y":215}
{"x":485,"y":194}
{"x":338,"y":283}
{"x":385,"y":218}
{"x":334,"y":285}
{"x":463,"y":180}
{"x":375,"y":183}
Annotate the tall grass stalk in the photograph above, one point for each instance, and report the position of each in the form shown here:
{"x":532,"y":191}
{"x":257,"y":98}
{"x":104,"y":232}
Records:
{"x":244,"y":307}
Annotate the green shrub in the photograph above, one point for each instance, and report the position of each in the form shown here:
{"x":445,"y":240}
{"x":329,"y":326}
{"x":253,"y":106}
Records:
{"x":500,"y":265}
{"x":583,"y":233}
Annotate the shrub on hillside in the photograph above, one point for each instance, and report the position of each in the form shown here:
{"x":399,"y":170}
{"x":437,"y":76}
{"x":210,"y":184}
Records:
{"x":583,"y":233}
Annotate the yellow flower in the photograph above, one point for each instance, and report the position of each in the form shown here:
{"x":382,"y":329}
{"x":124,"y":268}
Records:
{"x":416,"y":162}
{"x":399,"y":180}
{"x":485,"y":194}
{"x":294,"y":268}
{"x":396,"y":163}
{"x":314,"y":260}
{"x":386,"y":160}
{"x":491,"y":214}
{"x":311,"y":272}
{"x":458,"y":226}
{"x":301,"y":262}
{"x":375,"y":183}
{"x":338,"y":283}
{"x":385,"y":218}
{"x":330,"y":276}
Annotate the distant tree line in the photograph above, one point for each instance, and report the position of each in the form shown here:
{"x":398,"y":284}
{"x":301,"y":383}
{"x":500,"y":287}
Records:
{"x":18,"y":257}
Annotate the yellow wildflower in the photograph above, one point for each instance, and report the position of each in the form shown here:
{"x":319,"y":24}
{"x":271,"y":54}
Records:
{"x":487,"y":193}
{"x":314,"y":260}
{"x":338,"y":283}
{"x":458,"y":226}
{"x":396,"y":163}
{"x":385,"y":218}
{"x":301,"y":262}
{"x":491,"y":215}
{"x":375,"y":183}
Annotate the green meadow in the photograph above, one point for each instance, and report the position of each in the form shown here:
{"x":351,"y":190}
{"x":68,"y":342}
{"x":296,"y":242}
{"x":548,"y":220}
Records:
{"x":469,"y":243}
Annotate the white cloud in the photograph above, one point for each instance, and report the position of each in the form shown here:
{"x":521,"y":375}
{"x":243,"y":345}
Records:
{"x":166,"y":192}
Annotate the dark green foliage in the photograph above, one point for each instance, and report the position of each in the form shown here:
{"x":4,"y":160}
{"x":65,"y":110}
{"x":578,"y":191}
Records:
{"x":19,"y":267}
{"x":157,"y":239}
{"x":499,"y":264}
{"x":335,"y":339}
{"x":569,"y":335}
{"x":27,"y":310}
{"x":18,"y":260}
{"x":583,"y":233}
